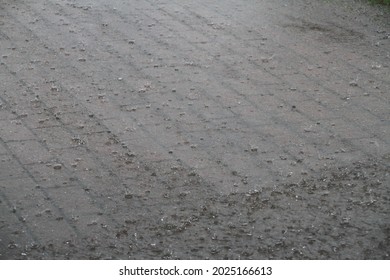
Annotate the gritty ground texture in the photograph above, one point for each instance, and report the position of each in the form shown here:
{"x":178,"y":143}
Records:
{"x":181,"y":129}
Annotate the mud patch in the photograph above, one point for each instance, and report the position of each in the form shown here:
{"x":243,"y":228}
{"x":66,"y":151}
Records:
{"x":328,"y":33}
{"x":341,"y":214}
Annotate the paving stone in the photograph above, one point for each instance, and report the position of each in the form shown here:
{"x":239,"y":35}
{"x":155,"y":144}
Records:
{"x":30,"y":151}
{"x":10,"y":168}
{"x":22,"y":193}
{"x":14,"y":130}
{"x":3,"y":149}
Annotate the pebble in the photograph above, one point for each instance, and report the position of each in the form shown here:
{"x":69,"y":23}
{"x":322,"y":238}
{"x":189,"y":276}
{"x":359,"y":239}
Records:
{"x":254,"y":149}
{"x":57,"y":166}
{"x":264,"y":59}
{"x":353,"y":83}
{"x":192,"y":173}
{"x":12,"y":246}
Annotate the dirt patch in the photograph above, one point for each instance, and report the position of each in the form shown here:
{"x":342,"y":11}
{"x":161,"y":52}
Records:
{"x":341,"y":214}
{"x":325,"y":32}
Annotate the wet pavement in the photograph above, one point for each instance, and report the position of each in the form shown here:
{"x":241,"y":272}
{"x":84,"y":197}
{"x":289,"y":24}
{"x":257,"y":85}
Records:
{"x":152,"y":129}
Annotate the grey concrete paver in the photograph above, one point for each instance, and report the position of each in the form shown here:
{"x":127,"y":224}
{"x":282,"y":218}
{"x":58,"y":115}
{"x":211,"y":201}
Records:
{"x":10,"y":168}
{"x":29,"y":152}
